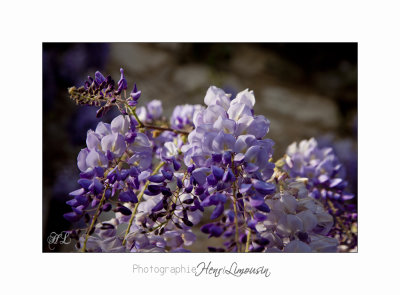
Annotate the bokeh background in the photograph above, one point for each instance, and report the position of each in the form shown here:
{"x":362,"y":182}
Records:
{"x":304,"y":89}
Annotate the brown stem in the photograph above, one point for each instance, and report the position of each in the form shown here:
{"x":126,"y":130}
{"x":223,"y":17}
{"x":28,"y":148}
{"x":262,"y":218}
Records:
{"x":235,"y":210}
{"x":166,"y":129}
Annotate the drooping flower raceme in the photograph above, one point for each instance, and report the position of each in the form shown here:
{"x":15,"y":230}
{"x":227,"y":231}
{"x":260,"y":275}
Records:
{"x":326,"y":180}
{"x":296,"y":223}
{"x":320,"y":166}
{"x":229,"y":162}
{"x":209,"y":167}
{"x":107,"y":147}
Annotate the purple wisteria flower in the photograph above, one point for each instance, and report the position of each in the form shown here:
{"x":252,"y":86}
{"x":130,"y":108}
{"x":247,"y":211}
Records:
{"x":134,"y":96}
{"x":211,"y":166}
{"x":320,"y":166}
{"x":227,"y":142}
{"x":152,"y":111}
{"x":183,"y":115}
{"x":105,"y":146}
{"x":104,"y":93}
{"x":326,"y":181}
{"x":294,"y":223}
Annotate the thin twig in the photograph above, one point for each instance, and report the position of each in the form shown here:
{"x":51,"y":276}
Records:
{"x":139,"y":199}
{"x":96,"y":215}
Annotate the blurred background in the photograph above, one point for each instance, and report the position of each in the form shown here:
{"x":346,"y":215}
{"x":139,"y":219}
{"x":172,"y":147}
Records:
{"x":304,"y":89}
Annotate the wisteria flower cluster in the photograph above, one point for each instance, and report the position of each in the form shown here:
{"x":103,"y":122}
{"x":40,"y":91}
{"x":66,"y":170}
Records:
{"x":326,"y":182}
{"x":154,"y":184}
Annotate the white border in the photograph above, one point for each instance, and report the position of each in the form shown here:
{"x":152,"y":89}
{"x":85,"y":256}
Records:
{"x":26,"y":24}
